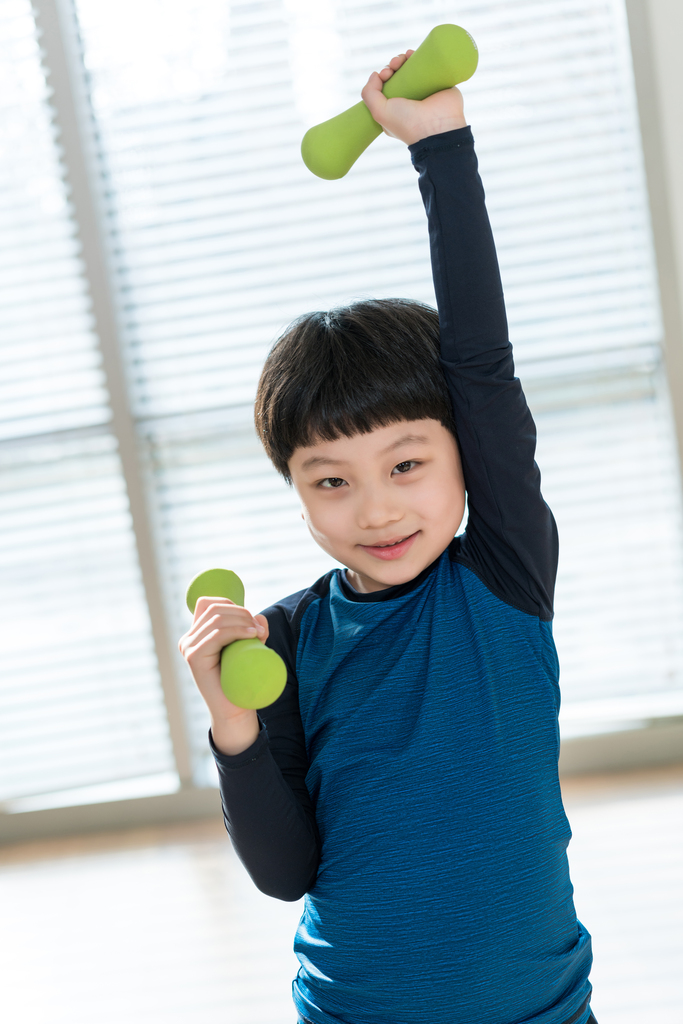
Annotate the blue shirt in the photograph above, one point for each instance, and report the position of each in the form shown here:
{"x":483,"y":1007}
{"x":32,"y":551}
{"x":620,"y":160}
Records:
{"x":443,"y":892}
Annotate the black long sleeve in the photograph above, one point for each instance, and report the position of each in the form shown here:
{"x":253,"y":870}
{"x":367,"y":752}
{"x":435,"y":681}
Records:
{"x":511,"y":538}
{"x":270,"y":829}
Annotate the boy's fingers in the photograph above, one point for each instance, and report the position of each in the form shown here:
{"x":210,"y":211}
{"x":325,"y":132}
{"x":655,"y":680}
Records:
{"x":394,"y":64}
{"x":239,"y":618}
{"x":205,"y":602}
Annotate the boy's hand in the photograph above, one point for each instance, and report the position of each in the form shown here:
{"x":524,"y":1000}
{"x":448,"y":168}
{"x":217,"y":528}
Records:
{"x":412,"y":120}
{"x":217,"y":623}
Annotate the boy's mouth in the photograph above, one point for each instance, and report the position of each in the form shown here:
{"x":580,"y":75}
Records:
{"x":391,"y":549}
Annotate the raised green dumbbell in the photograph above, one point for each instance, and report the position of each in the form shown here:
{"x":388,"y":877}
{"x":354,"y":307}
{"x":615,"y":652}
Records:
{"x":447,"y":56}
{"x":252,"y":675}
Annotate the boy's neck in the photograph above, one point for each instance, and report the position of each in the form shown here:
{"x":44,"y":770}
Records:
{"x":365,"y":584}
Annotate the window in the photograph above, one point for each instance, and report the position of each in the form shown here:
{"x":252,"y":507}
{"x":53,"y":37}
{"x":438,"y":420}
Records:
{"x":216,"y":236}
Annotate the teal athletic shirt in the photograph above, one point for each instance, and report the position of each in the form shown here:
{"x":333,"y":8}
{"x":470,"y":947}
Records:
{"x":406,"y":781}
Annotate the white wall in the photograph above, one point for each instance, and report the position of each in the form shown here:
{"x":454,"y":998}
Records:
{"x":656,"y":29}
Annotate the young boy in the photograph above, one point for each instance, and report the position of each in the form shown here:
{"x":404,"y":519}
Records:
{"x":406,"y":780}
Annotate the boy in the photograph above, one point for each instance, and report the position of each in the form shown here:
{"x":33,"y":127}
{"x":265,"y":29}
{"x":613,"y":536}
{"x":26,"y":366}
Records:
{"x":406,"y":781}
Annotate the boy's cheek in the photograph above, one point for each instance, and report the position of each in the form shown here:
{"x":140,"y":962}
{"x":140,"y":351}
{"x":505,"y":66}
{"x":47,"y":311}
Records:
{"x":442,"y":494}
{"x":322,"y":523}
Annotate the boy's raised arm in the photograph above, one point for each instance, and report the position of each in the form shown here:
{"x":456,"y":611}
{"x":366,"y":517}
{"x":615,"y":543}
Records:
{"x":511,"y":538}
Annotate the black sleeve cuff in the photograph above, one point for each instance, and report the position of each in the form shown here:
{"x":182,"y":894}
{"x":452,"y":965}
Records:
{"x":248,"y":756}
{"x":444,"y":140}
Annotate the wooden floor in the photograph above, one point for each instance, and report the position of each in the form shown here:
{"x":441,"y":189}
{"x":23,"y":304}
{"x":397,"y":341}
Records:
{"x":163,"y":925}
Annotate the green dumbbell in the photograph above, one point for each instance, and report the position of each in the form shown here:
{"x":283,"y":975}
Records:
{"x":252,"y":675}
{"x":446,"y":57}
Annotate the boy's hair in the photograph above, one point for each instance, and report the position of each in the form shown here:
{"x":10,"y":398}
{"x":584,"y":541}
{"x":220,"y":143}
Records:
{"x":349,"y":371}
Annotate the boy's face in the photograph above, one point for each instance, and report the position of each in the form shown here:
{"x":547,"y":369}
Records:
{"x":402,"y":483}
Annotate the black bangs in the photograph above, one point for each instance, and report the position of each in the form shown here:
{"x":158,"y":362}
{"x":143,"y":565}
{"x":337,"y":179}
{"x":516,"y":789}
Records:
{"x":348,"y":371}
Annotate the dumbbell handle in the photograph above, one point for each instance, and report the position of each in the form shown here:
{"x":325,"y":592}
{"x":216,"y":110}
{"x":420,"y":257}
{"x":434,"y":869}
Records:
{"x":446,"y":57}
{"x":252,"y":675}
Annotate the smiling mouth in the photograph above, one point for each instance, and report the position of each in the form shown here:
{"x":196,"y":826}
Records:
{"x":391,"y":549}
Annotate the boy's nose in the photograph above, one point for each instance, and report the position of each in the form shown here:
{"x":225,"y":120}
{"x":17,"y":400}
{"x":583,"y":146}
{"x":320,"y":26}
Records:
{"x":377,"y":510}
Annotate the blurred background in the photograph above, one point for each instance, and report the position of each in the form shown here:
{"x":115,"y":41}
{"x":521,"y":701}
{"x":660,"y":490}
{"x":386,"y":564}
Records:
{"x":159,"y":230}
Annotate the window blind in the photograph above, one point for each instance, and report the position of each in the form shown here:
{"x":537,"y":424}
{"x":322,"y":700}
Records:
{"x":80,"y":701}
{"x":222,"y":237}
{"x":219,"y":236}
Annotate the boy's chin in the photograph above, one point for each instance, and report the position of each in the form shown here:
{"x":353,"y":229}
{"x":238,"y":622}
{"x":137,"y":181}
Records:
{"x":369,"y":578}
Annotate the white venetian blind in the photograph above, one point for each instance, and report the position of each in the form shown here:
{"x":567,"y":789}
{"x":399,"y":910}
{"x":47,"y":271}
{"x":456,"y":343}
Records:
{"x":80,"y":701}
{"x":219,"y":236}
{"x":222,"y":237}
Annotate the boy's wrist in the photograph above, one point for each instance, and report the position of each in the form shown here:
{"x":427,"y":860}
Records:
{"x":427,"y":131}
{"x":235,"y":735}
{"x":455,"y":136}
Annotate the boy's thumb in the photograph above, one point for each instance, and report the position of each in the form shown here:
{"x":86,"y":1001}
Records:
{"x":261,"y":626}
{"x":373,"y":97}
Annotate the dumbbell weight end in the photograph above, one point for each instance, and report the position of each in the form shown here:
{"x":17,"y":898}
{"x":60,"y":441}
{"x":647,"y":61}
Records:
{"x":332,"y":148}
{"x":252,"y":675}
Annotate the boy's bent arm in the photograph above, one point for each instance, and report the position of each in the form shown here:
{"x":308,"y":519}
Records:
{"x":267,"y":809}
{"x":511,"y":538}
{"x":269,"y":830}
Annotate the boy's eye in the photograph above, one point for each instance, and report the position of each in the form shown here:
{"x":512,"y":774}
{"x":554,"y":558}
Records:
{"x":403,"y":467}
{"x":332,"y":481}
